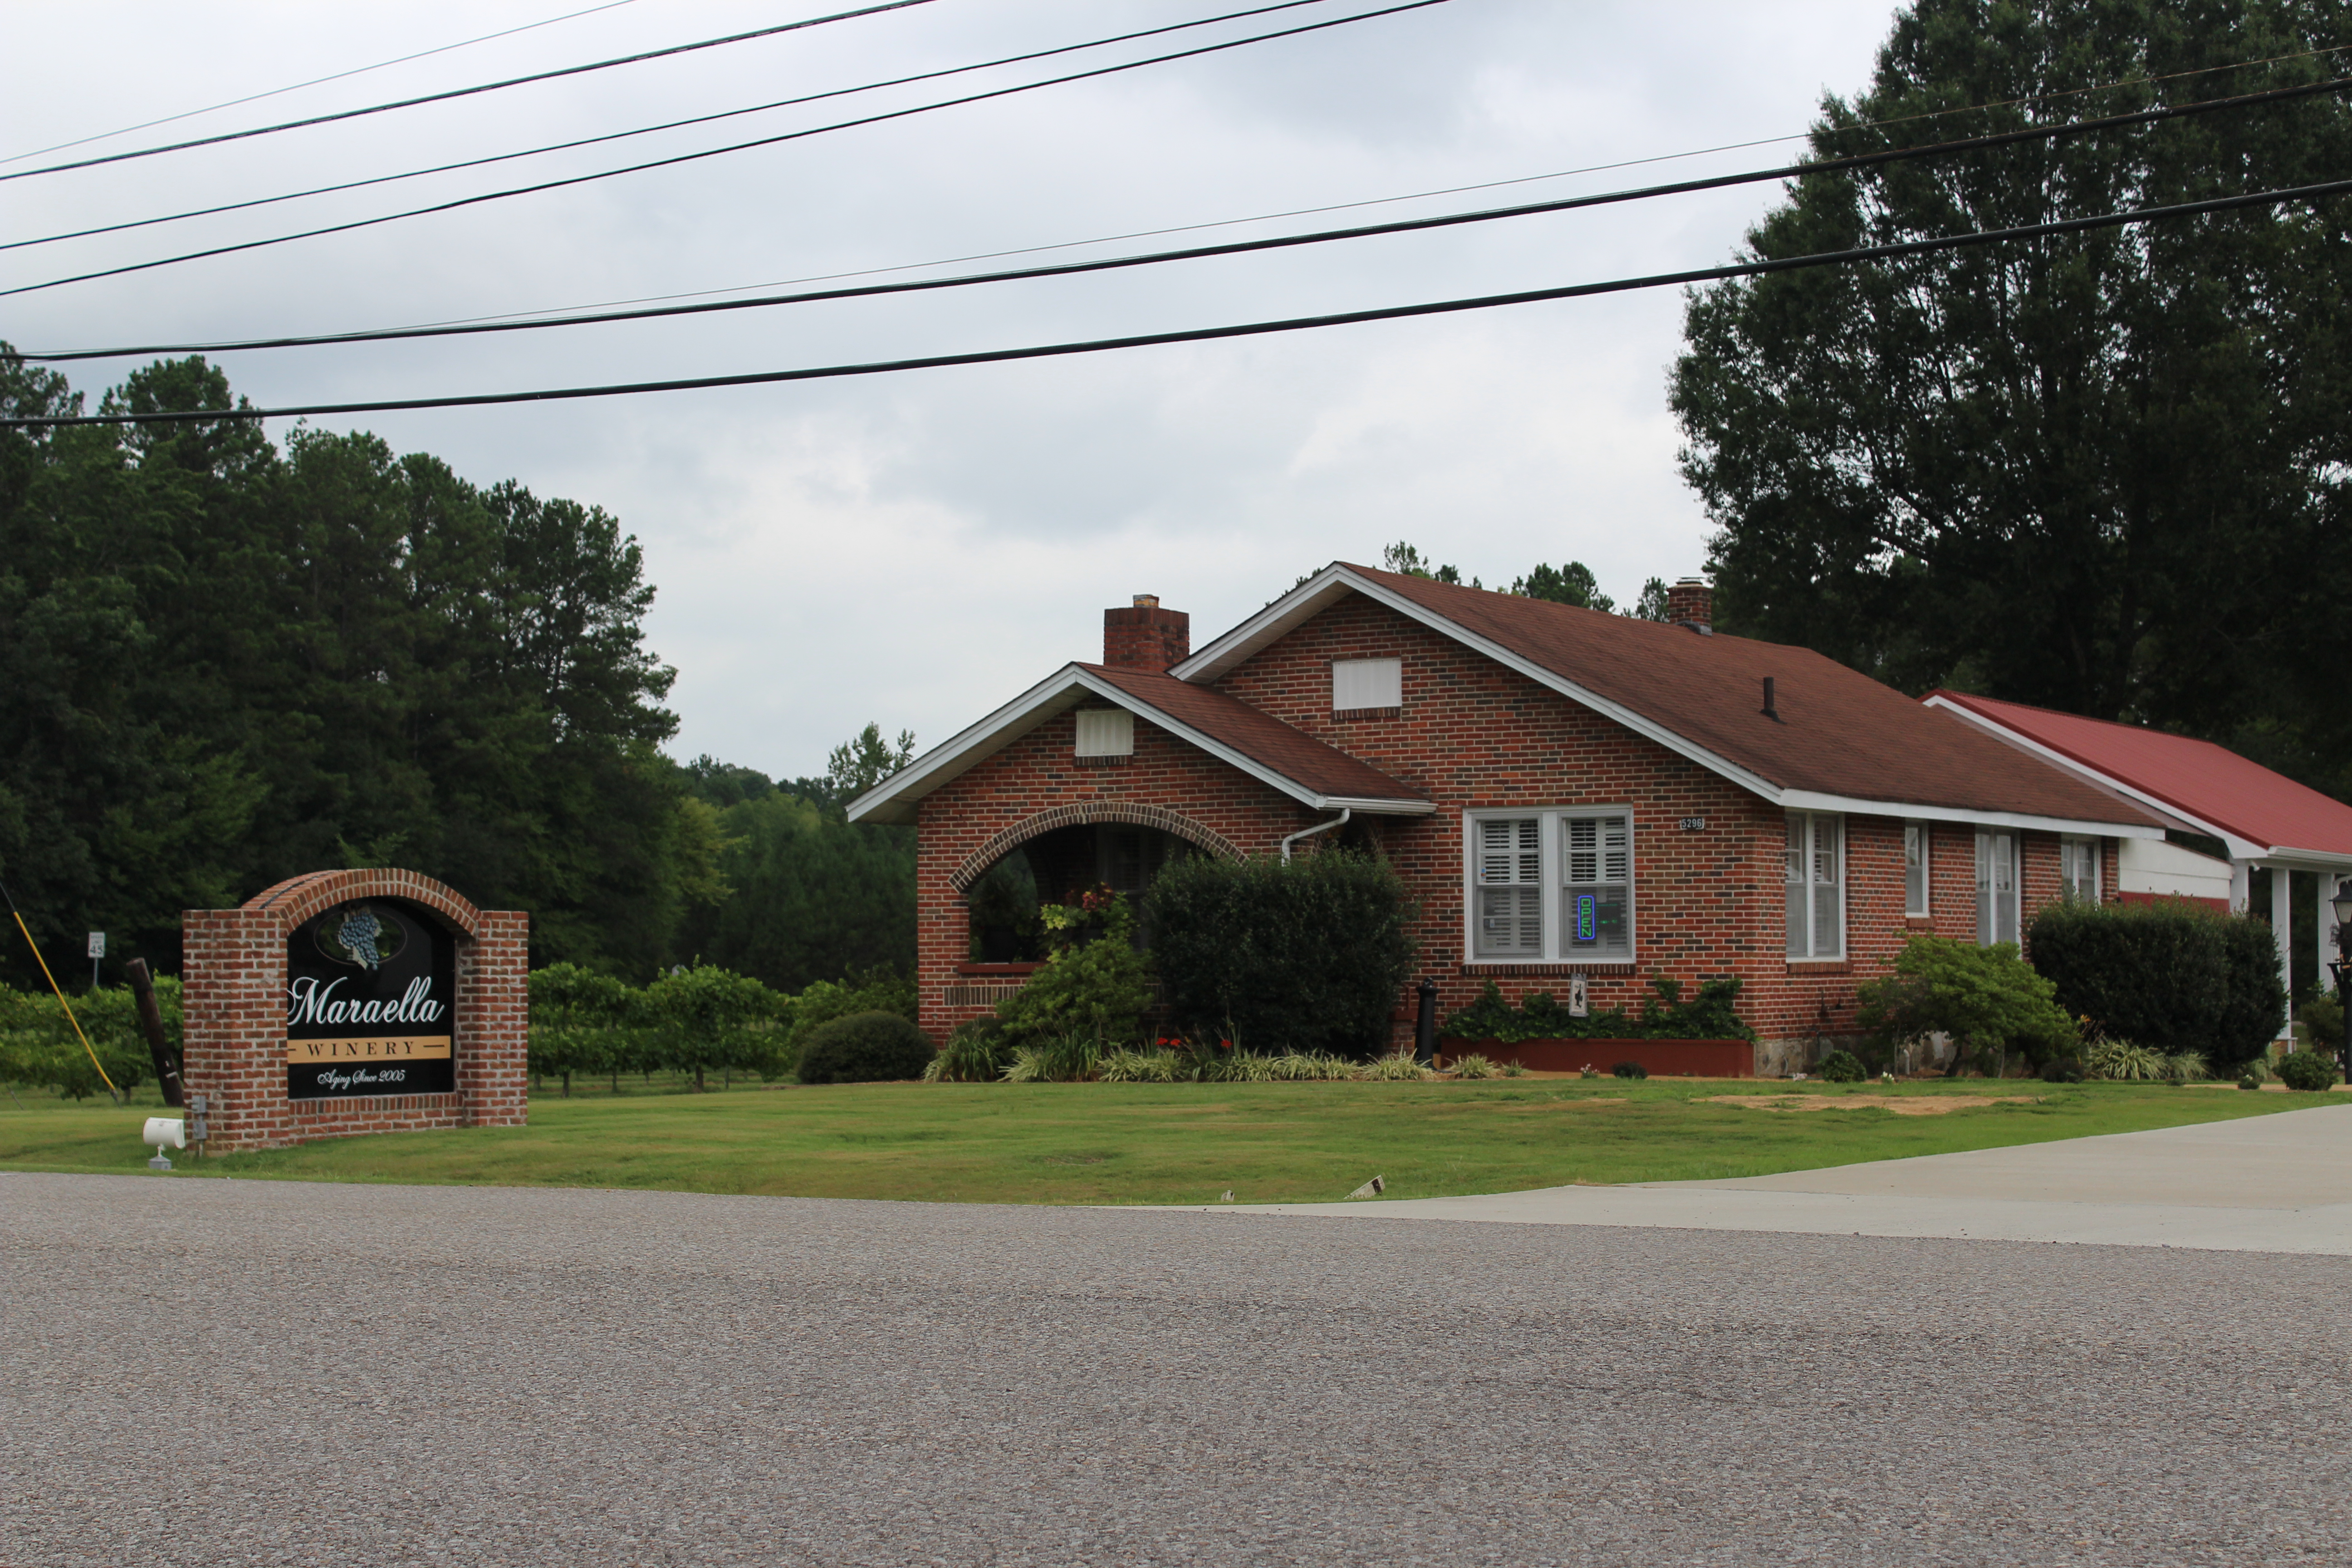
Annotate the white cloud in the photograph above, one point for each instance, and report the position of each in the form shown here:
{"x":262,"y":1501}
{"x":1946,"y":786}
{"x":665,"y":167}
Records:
{"x":917,"y":548}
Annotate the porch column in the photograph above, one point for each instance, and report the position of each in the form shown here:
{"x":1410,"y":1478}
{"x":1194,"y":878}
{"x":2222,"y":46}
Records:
{"x":2328,"y":882}
{"x":2282,"y":913}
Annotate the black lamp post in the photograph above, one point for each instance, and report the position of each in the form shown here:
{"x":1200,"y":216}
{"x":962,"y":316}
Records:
{"x":2342,"y":904}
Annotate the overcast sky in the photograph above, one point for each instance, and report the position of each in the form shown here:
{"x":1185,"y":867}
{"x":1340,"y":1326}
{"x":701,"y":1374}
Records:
{"x":916,"y":548}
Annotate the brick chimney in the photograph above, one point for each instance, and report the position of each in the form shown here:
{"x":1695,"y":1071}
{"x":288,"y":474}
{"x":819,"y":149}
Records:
{"x":1691,"y":603}
{"x":1145,"y":636}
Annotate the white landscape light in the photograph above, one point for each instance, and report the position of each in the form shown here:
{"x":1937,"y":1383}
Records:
{"x":164,"y":1132}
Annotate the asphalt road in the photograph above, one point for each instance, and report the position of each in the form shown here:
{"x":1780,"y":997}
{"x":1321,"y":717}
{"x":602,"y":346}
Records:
{"x":273,"y":1372}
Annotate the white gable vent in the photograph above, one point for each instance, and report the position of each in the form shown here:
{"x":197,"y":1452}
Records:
{"x":1106,"y":732}
{"x":1360,"y":683}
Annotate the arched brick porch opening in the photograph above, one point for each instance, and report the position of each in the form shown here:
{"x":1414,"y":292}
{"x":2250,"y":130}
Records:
{"x":975,"y":865}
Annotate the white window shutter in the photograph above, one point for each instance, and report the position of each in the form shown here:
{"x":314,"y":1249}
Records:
{"x":1359,"y":683}
{"x":1106,"y":732}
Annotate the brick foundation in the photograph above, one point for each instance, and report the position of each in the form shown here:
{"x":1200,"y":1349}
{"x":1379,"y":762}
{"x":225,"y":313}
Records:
{"x":234,"y":1011}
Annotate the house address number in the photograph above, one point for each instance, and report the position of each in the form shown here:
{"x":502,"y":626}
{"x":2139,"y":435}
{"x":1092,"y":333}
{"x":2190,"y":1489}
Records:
{"x":1694,"y":824}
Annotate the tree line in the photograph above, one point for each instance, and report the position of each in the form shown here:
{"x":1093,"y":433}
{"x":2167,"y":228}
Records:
{"x":2107,"y":471}
{"x":225,"y":661}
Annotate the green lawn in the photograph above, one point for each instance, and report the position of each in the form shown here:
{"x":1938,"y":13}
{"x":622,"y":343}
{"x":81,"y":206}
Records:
{"x":1132,"y":1143}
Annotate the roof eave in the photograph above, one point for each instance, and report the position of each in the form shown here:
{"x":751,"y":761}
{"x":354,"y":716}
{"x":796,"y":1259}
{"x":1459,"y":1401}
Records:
{"x":1816,"y":800}
{"x":1301,"y":603}
{"x":895,"y":799}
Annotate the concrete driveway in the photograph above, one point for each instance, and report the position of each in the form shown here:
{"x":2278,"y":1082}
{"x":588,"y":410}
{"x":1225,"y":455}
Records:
{"x":2262,"y":1183}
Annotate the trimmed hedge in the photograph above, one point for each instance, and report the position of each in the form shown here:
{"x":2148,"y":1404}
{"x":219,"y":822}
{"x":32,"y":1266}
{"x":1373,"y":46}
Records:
{"x":865,"y":1047}
{"x":1300,"y":958}
{"x":1712,"y":1014}
{"x":2172,"y":976}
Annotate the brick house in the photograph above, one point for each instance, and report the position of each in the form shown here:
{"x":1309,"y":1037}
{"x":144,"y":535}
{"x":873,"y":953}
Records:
{"x":1567,"y":791}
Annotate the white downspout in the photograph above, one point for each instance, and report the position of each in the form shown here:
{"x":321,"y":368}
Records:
{"x":1339,"y":821}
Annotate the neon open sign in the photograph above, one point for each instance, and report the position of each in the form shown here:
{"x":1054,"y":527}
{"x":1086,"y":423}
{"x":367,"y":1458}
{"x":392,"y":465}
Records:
{"x":1587,"y":917}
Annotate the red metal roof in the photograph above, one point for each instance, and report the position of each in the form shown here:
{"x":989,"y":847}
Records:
{"x":1838,"y":731}
{"x":2196,"y":778}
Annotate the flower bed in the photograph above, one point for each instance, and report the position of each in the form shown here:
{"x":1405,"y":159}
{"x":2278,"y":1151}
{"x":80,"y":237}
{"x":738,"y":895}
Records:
{"x":1662,"y":1059}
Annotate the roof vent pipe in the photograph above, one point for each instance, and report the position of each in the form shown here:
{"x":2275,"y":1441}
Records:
{"x":1771,"y":711}
{"x":1339,"y":821}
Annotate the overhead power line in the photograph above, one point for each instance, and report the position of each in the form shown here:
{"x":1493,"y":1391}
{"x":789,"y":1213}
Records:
{"x":314,"y":81}
{"x":1380,"y":201}
{"x":652,"y":130}
{"x":1245,"y":330}
{"x":463,"y":92}
{"x":719,"y":151}
{"x":1238,"y":248}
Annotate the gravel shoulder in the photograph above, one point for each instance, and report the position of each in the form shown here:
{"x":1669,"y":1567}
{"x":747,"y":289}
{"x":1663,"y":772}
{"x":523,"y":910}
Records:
{"x":231,"y":1371}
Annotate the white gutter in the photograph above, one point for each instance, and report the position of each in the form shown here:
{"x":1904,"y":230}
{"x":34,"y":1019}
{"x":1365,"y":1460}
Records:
{"x":1339,"y":821}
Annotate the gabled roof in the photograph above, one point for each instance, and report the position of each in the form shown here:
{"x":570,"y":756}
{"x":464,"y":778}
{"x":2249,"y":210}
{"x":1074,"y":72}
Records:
{"x":1842,"y":741}
{"x":2258,"y":813}
{"x":1259,"y":744}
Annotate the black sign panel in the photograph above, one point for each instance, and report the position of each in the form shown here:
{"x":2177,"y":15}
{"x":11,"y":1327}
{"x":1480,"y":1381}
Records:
{"x":370,"y":990}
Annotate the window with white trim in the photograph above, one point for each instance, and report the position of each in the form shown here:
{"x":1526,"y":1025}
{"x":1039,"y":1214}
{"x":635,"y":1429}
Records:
{"x":1106,"y":732}
{"x":1917,"y":844}
{"x":1596,"y":911}
{"x":1551,"y":886}
{"x":1360,"y":683}
{"x":1508,"y":874}
{"x":1997,"y":880}
{"x":2078,"y":868}
{"x":1813,"y":863}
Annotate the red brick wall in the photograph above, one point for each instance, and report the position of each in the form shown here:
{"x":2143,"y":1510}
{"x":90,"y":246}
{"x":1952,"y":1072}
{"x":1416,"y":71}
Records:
{"x":1473,"y":735}
{"x":1712,"y":902}
{"x":233,"y":972}
{"x":1038,"y":775}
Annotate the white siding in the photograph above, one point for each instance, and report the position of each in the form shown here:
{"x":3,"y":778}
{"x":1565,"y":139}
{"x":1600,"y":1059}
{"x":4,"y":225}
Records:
{"x":2153,"y":865}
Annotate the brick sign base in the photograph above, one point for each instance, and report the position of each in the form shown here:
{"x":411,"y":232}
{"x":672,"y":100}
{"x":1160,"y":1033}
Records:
{"x":234,"y":1006}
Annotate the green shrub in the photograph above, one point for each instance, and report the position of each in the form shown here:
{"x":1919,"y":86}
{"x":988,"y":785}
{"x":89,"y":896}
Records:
{"x":1476,"y":1066}
{"x":865,"y":1047}
{"x":2306,"y":1071}
{"x":1127,"y":1065}
{"x":2063,"y":1069}
{"x":820,"y":1002}
{"x":1309,"y":956}
{"x":2323,"y":1024}
{"x":2173,"y":975}
{"x":38,"y":1047}
{"x":709,"y":1019}
{"x":2124,"y":1061}
{"x":1099,"y":989}
{"x":1065,"y":1058}
{"x":1630,"y":1069}
{"x":975,"y":1053}
{"x":581,"y":1022}
{"x":1393,"y":1067}
{"x":1987,"y":999}
{"x":1711,"y":1014}
{"x":1840,"y":1067}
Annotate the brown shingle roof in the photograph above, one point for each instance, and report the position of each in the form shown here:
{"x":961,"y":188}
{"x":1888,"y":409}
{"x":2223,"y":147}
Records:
{"x":1260,"y":736}
{"x":1839,"y":731}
